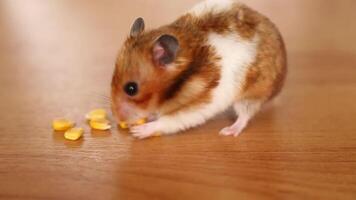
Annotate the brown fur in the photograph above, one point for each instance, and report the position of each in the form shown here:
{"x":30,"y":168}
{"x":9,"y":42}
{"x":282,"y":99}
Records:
{"x":195,"y":71}
{"x":266,"y":75}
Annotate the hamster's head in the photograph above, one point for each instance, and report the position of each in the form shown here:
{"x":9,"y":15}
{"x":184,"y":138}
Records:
{"x":145,"y":66}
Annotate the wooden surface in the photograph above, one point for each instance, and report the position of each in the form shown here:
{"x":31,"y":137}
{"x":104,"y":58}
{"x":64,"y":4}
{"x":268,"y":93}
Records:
{"x":56,"y":59}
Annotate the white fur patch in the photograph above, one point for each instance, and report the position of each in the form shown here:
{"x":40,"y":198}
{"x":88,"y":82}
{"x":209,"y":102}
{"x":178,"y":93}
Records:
{"x":214,"y":6}
{"x":236,"y":56}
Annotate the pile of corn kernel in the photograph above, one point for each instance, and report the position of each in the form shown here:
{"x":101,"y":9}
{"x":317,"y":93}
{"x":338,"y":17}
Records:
{"x":97,"y":120}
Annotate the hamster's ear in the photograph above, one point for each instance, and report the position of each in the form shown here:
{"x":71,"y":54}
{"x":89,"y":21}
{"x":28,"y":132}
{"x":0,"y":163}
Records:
{"x":165,"y":50}
{"x":137,"y":27}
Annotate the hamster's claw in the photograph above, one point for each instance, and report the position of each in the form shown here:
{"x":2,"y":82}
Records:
{"x":144,"y":131}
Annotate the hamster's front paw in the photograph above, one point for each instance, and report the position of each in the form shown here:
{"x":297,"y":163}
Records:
{"x":145,"y":130}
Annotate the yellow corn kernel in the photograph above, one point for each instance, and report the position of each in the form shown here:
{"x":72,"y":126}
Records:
{"x":102,"y":124}
{"x":62,"y":124}
{"x":97,"y":114}
{"x":141,"y":122}
{"x":73,"y":133}
{"x":123,"y":125}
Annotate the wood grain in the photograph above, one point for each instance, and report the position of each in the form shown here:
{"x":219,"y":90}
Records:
{"x":56,"y":60}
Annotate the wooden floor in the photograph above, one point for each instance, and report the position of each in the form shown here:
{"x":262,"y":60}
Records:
{"x":56,"y":60}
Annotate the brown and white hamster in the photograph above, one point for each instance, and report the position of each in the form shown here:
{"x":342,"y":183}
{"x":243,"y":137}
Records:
{"x":220,"y":54}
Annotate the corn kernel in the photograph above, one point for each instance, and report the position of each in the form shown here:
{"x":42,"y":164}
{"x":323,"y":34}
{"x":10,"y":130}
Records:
{"x":123,"y":125}
{"x":140,"y":122}
{"x":73,"y":134}
{"x":98,"y":114}
{"x":62,"y":124}
{"x":102,"y":124}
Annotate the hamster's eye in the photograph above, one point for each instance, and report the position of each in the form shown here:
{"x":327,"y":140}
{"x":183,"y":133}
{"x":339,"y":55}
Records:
{"x":131,"y":88}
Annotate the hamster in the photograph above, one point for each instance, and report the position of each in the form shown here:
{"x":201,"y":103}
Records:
{"x":220,"y":54}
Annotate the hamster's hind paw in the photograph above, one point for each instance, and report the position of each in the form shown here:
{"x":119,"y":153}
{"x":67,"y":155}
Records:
{"x":230,"y":131}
